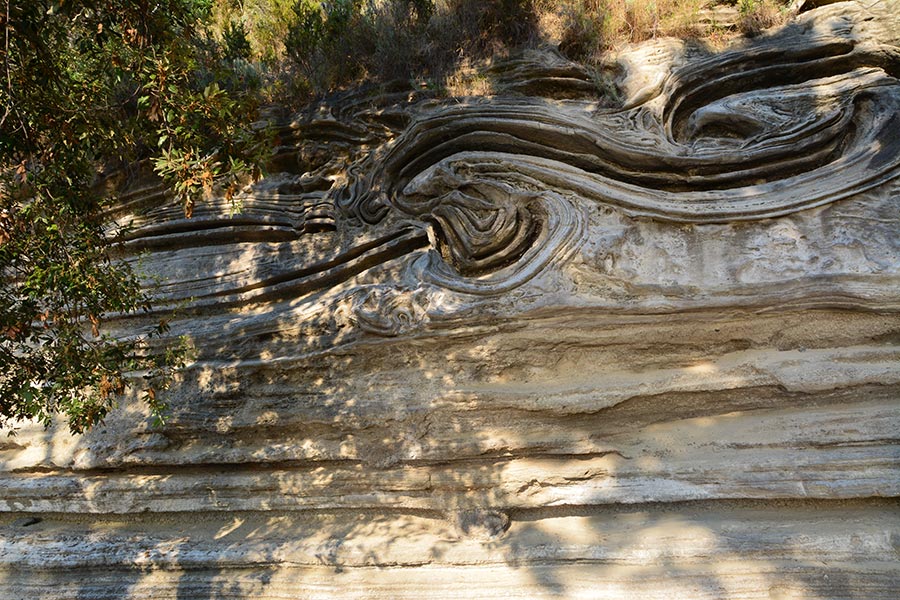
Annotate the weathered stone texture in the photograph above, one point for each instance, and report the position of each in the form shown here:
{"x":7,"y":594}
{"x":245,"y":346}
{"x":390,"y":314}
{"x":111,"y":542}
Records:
{"x":522,"y":346}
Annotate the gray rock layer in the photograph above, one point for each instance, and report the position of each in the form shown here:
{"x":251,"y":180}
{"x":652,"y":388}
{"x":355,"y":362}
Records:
{"x":518,"y":346}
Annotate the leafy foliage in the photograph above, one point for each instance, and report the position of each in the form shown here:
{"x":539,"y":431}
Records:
{"x":237,"y":45}
{"x":264,"y":24}
{"x":88,"y":88}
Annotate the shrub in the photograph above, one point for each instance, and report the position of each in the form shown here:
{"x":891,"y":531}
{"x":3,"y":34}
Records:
{"x":758,"y":15}
{"x":235,"y":40}
{"x":329,"y":42}
{"x":591,"y":26}
{"x":90,"y":88}
{"x":334,"y":44}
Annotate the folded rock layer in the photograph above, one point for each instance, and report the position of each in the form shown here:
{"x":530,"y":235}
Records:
{"x":520,"y":346}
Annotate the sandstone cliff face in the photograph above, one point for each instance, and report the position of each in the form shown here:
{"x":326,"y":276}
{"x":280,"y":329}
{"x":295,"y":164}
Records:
{"x":520,"y":346}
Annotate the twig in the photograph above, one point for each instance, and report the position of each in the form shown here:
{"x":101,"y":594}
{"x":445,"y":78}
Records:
{"x":6,"y":61}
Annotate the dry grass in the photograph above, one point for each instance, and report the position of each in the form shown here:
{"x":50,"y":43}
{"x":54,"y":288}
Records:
{"x":468,"y":80}
{"x":442,"y":42}
{"x":758,"y":15}
{"x":590,"y":27}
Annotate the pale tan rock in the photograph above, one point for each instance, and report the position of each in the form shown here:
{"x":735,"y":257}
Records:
{"x":522,"y":346}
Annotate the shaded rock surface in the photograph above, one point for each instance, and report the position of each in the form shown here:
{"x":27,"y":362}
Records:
{"x":521,"y":346}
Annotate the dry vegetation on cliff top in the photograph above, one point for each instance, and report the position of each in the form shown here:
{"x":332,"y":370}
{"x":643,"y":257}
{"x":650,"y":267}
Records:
{"x":306,"y":47}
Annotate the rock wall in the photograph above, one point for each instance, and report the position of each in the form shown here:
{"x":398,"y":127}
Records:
{"x":521,"y":346}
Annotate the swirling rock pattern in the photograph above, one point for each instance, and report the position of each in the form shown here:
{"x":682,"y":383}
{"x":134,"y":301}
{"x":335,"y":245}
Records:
{"x":528,"y":345}
{"x":794,"y":121}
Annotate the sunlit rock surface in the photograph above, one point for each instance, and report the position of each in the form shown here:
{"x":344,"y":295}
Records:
{"x":519,"y":346}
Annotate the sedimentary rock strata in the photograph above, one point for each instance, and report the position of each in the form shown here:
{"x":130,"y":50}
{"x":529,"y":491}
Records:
{"x":528,"y":345}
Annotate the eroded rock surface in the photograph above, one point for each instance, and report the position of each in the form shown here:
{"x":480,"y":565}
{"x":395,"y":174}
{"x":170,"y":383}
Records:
{"x":528,"y":345}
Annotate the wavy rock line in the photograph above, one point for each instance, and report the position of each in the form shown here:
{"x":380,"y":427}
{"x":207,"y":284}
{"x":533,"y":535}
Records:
{"x":791,"y":123}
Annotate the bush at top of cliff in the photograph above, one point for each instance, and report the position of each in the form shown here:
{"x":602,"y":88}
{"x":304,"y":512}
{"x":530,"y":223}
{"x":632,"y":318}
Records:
{"x":338,"y":43}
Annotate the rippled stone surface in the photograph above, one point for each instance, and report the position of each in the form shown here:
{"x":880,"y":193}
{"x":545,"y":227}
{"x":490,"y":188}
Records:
{"x":528,"y":345}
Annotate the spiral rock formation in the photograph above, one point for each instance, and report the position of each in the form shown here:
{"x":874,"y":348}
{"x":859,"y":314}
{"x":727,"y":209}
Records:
{"x":527,"y":345}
